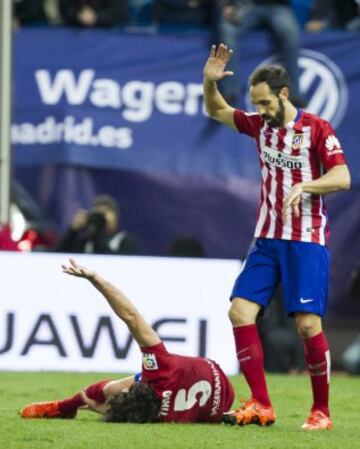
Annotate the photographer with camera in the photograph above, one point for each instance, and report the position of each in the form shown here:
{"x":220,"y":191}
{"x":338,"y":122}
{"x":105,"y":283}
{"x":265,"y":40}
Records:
{"x":97,"y":231}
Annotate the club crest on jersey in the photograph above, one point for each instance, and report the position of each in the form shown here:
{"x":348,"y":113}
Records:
{"x":297,"y":141}
{"x":149,"y":361}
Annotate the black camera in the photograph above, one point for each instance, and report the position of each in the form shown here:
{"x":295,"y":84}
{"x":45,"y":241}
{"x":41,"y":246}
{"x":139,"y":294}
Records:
{"x":96,"y":223}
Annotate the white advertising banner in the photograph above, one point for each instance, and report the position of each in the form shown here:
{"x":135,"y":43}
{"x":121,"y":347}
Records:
{"x":52,"y":321}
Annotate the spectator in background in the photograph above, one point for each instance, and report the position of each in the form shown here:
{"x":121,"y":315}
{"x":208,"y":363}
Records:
{"x":141,"y":12}
{"x":236,"y":17}
{"x":29,"y":12}
{"x":302,"y":10}
{"x":328,"y":14}
{"x":97,"y":231}
{"x":94,"y":13}
{"x":36,"y":12}
{"x":183,"y":12}
{"x":354,"y":23}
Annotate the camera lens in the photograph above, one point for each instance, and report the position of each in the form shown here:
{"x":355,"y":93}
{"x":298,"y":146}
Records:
{"x":96,"y":222}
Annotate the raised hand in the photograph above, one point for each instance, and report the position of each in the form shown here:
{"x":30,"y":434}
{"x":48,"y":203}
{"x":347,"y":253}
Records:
{"x":214,"y":69}
{"x":77,"y":270}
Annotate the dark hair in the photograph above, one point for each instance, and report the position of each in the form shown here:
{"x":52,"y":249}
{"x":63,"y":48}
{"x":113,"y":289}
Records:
{"x":139,"y":405}
{"x":275,"y":76}
{"x":108,"y":201}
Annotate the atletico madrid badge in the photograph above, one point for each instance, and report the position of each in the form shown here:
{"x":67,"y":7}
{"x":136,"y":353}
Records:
{"x":297,"y":141}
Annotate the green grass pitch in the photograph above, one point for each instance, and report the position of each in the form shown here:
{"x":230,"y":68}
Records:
{"x":290,"y":395}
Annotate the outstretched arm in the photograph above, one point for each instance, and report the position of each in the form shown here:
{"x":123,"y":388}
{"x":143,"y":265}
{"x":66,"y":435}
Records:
{"x":143,"y":333}
{"x":214,"y":71}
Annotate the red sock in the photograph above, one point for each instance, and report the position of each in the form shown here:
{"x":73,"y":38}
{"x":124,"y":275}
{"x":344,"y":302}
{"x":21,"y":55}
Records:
{"x":251,"y":358}
{"x":318,"y":360}
{"x":95,"y":391}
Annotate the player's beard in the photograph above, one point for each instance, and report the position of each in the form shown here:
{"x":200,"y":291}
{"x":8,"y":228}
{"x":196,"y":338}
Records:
{"x":278,"y":119}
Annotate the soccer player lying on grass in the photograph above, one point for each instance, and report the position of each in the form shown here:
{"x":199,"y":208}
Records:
{"x":170,"y":388}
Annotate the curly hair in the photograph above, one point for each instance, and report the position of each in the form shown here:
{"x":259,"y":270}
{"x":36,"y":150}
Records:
{"x":139,"y":405}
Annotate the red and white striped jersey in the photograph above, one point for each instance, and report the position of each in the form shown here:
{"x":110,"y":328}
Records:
{"x":301,"y":151}
{"x":191,"y":389}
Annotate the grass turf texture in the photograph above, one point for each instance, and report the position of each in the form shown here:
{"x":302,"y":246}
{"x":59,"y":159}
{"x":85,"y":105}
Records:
{"x":290,"y":395}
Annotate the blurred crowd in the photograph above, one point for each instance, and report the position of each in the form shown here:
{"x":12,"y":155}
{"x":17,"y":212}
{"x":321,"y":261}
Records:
{"x":313,"y":15}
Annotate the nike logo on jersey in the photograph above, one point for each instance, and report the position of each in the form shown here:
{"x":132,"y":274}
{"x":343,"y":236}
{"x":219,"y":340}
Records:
{"x":304,"y":301}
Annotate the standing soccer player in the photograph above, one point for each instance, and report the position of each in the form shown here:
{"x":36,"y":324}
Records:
{"x":301,"y":160}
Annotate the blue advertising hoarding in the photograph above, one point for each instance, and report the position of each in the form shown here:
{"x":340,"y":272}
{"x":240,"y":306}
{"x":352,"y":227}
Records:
{"x":111,"y":100}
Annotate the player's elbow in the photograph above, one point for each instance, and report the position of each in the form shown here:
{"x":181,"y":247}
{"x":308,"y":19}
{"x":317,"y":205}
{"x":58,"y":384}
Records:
{"x":341,"y":178}
{"x":346,"y":180}
{"x":214,"y":109}
{"x":346,"y":184}
{"x":131,"y":317}
{"x":211,"y":111}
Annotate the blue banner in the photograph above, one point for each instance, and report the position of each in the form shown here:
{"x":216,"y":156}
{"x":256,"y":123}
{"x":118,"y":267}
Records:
{"x":111,"y":100}
{"x":105,"y":112}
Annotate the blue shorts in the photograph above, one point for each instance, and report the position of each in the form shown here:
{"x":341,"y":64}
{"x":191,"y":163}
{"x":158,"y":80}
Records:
{"x":302,"y":268}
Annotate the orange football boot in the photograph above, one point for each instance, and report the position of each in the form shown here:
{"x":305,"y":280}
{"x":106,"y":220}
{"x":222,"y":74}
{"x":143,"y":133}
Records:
{"x":317,"y":420}
{"x":45,"y":410}
{"x":251,"y":412}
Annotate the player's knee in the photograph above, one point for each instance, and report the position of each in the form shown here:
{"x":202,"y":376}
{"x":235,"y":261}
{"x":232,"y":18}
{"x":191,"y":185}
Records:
{"x":233,"y":314}
{"x":238,"y":316}
{"x":308,"y":326}
{"x":305,"y":330}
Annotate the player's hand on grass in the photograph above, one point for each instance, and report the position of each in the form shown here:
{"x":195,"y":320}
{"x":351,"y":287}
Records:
{"x":92,"y":405}
{"x":214,"y":69}
{"x":292,"y":202}
{"x":77,"y":270}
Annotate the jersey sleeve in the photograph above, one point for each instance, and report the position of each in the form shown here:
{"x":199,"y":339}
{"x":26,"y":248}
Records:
{"x":328,"y":147}
{"x":155,"y":360}
{"x":247,"y":122}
